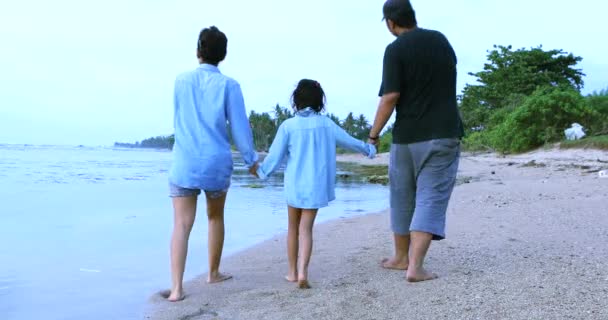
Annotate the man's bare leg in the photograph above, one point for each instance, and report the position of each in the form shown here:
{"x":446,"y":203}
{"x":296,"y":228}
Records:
{"x":293,"y":233}
{"x":400,"y":260}
{"x":306,"y":224}
{"x":184,"y":214}
{"x":421,"y":241}
{"x":215,"y":215}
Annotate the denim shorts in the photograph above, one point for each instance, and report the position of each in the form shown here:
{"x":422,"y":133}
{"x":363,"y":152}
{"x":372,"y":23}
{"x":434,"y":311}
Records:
{"x":179,"y":192}
{"x":422,"y":176}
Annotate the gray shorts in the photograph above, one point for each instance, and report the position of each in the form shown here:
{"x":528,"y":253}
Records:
{"x":179,"y":192}
{"x":422,"y":176}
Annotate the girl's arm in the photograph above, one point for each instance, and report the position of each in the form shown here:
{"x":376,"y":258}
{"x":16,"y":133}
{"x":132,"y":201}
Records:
{"x":239,"y":124}
{"x":278,"y":151}
{"x":344,"y":140}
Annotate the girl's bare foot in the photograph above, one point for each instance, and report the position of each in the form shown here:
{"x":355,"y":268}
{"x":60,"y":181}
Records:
{"x":173,"y":296}
{"x":218,"y":277}
{"x":303,"y":284}
{"x":394,"y":264}
{"x":419,"y":275}
{"x":291,"y":278}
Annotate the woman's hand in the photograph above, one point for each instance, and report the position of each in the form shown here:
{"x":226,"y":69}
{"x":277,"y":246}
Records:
{"x":253,"y":170}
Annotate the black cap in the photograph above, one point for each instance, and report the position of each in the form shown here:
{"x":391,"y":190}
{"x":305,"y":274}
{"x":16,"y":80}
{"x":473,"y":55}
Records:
{"x":397,"y":9}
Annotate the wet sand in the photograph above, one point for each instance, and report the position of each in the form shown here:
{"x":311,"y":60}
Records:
{"x":527,"y":239}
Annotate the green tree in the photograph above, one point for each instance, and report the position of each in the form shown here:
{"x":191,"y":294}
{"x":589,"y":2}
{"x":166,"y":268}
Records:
{"x":334,"y":118}
{"x":281,"y":114}
{"x":598,"y":101}
{"x":363,"y":128}
{"x":263,"y":128}
{"x":542,"y":118}
{"x":510,"y":76}
{"x":350,"y":124}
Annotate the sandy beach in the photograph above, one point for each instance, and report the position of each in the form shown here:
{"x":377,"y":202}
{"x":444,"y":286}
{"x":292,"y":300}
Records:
{"x":527,"y":239}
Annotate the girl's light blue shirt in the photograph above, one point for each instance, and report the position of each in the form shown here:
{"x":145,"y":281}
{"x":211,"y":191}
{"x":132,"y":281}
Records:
{"x":205,"y":101}
{"x":309,"y":141}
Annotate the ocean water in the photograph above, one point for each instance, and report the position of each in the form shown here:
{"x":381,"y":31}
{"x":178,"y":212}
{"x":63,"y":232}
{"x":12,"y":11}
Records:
{"x":84,"y":232}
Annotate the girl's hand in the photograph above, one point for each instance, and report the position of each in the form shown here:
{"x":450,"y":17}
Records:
{"x":254,"y":170}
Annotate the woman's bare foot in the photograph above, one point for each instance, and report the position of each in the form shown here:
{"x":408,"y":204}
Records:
{"x":419,"y":275}
{"x":303,"y":284}
{"x":394,"y":264}
{"x":218,"y":277}
{"x":173,"y":296}
{"x":291,"y":278}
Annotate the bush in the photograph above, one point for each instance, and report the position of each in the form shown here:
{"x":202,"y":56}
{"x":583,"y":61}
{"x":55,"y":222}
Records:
{"x":597,"y":142}
{"x":476,"y":141}
{"x":598,"y":101}
{"x":542,"y":118}
{"x":385,"y":142}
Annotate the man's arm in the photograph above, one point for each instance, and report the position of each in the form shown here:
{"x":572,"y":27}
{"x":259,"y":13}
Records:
{"x":385,"y":111}
{"x":390,"y":91}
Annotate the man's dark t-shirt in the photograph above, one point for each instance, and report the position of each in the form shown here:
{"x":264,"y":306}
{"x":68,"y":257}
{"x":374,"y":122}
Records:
{"x":421,"y":66}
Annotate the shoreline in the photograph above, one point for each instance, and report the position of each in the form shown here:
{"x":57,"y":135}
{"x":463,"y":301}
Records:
{"x":515,"y":272}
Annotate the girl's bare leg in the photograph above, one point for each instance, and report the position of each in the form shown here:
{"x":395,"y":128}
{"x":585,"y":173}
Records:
{"x":306,"y":223}
{"x":184,"y":214}
{"x":292,"y":242}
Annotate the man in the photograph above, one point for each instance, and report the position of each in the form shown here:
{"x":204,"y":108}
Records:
{"x":419,"y":81}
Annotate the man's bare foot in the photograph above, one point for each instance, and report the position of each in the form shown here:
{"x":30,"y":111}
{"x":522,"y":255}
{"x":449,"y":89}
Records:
{"x":218,"y":277}
{"x":420,"y":275}
{"x":303,"y":284}
{"x":394,"y":264}
{"x":291,"y":278}
{"x":172,"y":296}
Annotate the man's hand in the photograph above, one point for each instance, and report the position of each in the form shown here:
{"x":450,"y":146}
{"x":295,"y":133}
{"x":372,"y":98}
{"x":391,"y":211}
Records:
{"x":374,"y":141}
{"x":253,"y":170}
{"x":385,"y":110}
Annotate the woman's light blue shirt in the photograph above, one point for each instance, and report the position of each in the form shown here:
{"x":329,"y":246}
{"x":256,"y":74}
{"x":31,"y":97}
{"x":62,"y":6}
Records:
{"x":205,"y":101}
{"x":309,"y":141}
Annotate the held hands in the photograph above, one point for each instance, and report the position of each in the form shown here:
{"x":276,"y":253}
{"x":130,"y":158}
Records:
{"x":254,"y":170}
{"x":373,"y":141}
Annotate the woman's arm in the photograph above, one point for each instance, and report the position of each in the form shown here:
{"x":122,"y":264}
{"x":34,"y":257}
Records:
{"x":278,"y":151}
{"x":344,"y":140}
{"x":239,"y":124}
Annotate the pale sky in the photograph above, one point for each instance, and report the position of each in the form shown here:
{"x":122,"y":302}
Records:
{"x":94,"y":72}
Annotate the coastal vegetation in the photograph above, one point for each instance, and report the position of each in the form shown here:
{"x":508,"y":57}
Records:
{"x":526,"y":98}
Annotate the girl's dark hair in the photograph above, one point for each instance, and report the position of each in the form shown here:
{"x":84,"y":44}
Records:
{"x":308,"y":93}
{"x":212,"y":45}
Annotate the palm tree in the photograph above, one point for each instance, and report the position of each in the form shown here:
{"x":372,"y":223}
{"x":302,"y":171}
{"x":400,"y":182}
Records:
{"x":349,"y":124}
{"x":363,"y":127}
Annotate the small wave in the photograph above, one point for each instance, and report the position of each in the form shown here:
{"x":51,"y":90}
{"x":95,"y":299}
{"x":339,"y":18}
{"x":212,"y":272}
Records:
{"x":137,"y":178}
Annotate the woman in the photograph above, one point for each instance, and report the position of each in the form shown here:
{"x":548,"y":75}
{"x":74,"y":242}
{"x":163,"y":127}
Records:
{"x":205,"y":101}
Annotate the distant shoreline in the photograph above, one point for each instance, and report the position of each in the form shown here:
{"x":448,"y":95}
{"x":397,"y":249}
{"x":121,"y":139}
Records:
{"x":139,"y":146}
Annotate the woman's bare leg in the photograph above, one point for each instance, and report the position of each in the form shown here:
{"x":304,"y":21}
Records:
{"x":215,"y":215}
{"x":292,"y":242}
{"x":184,"y":214}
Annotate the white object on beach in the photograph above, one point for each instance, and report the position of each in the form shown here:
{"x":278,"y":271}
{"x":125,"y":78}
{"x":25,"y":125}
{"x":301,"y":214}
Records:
{"x":575,"y":132}
{"x":603,"y":174}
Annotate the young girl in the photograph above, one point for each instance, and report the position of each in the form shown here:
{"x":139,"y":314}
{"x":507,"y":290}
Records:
{"x":308,"y":141}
